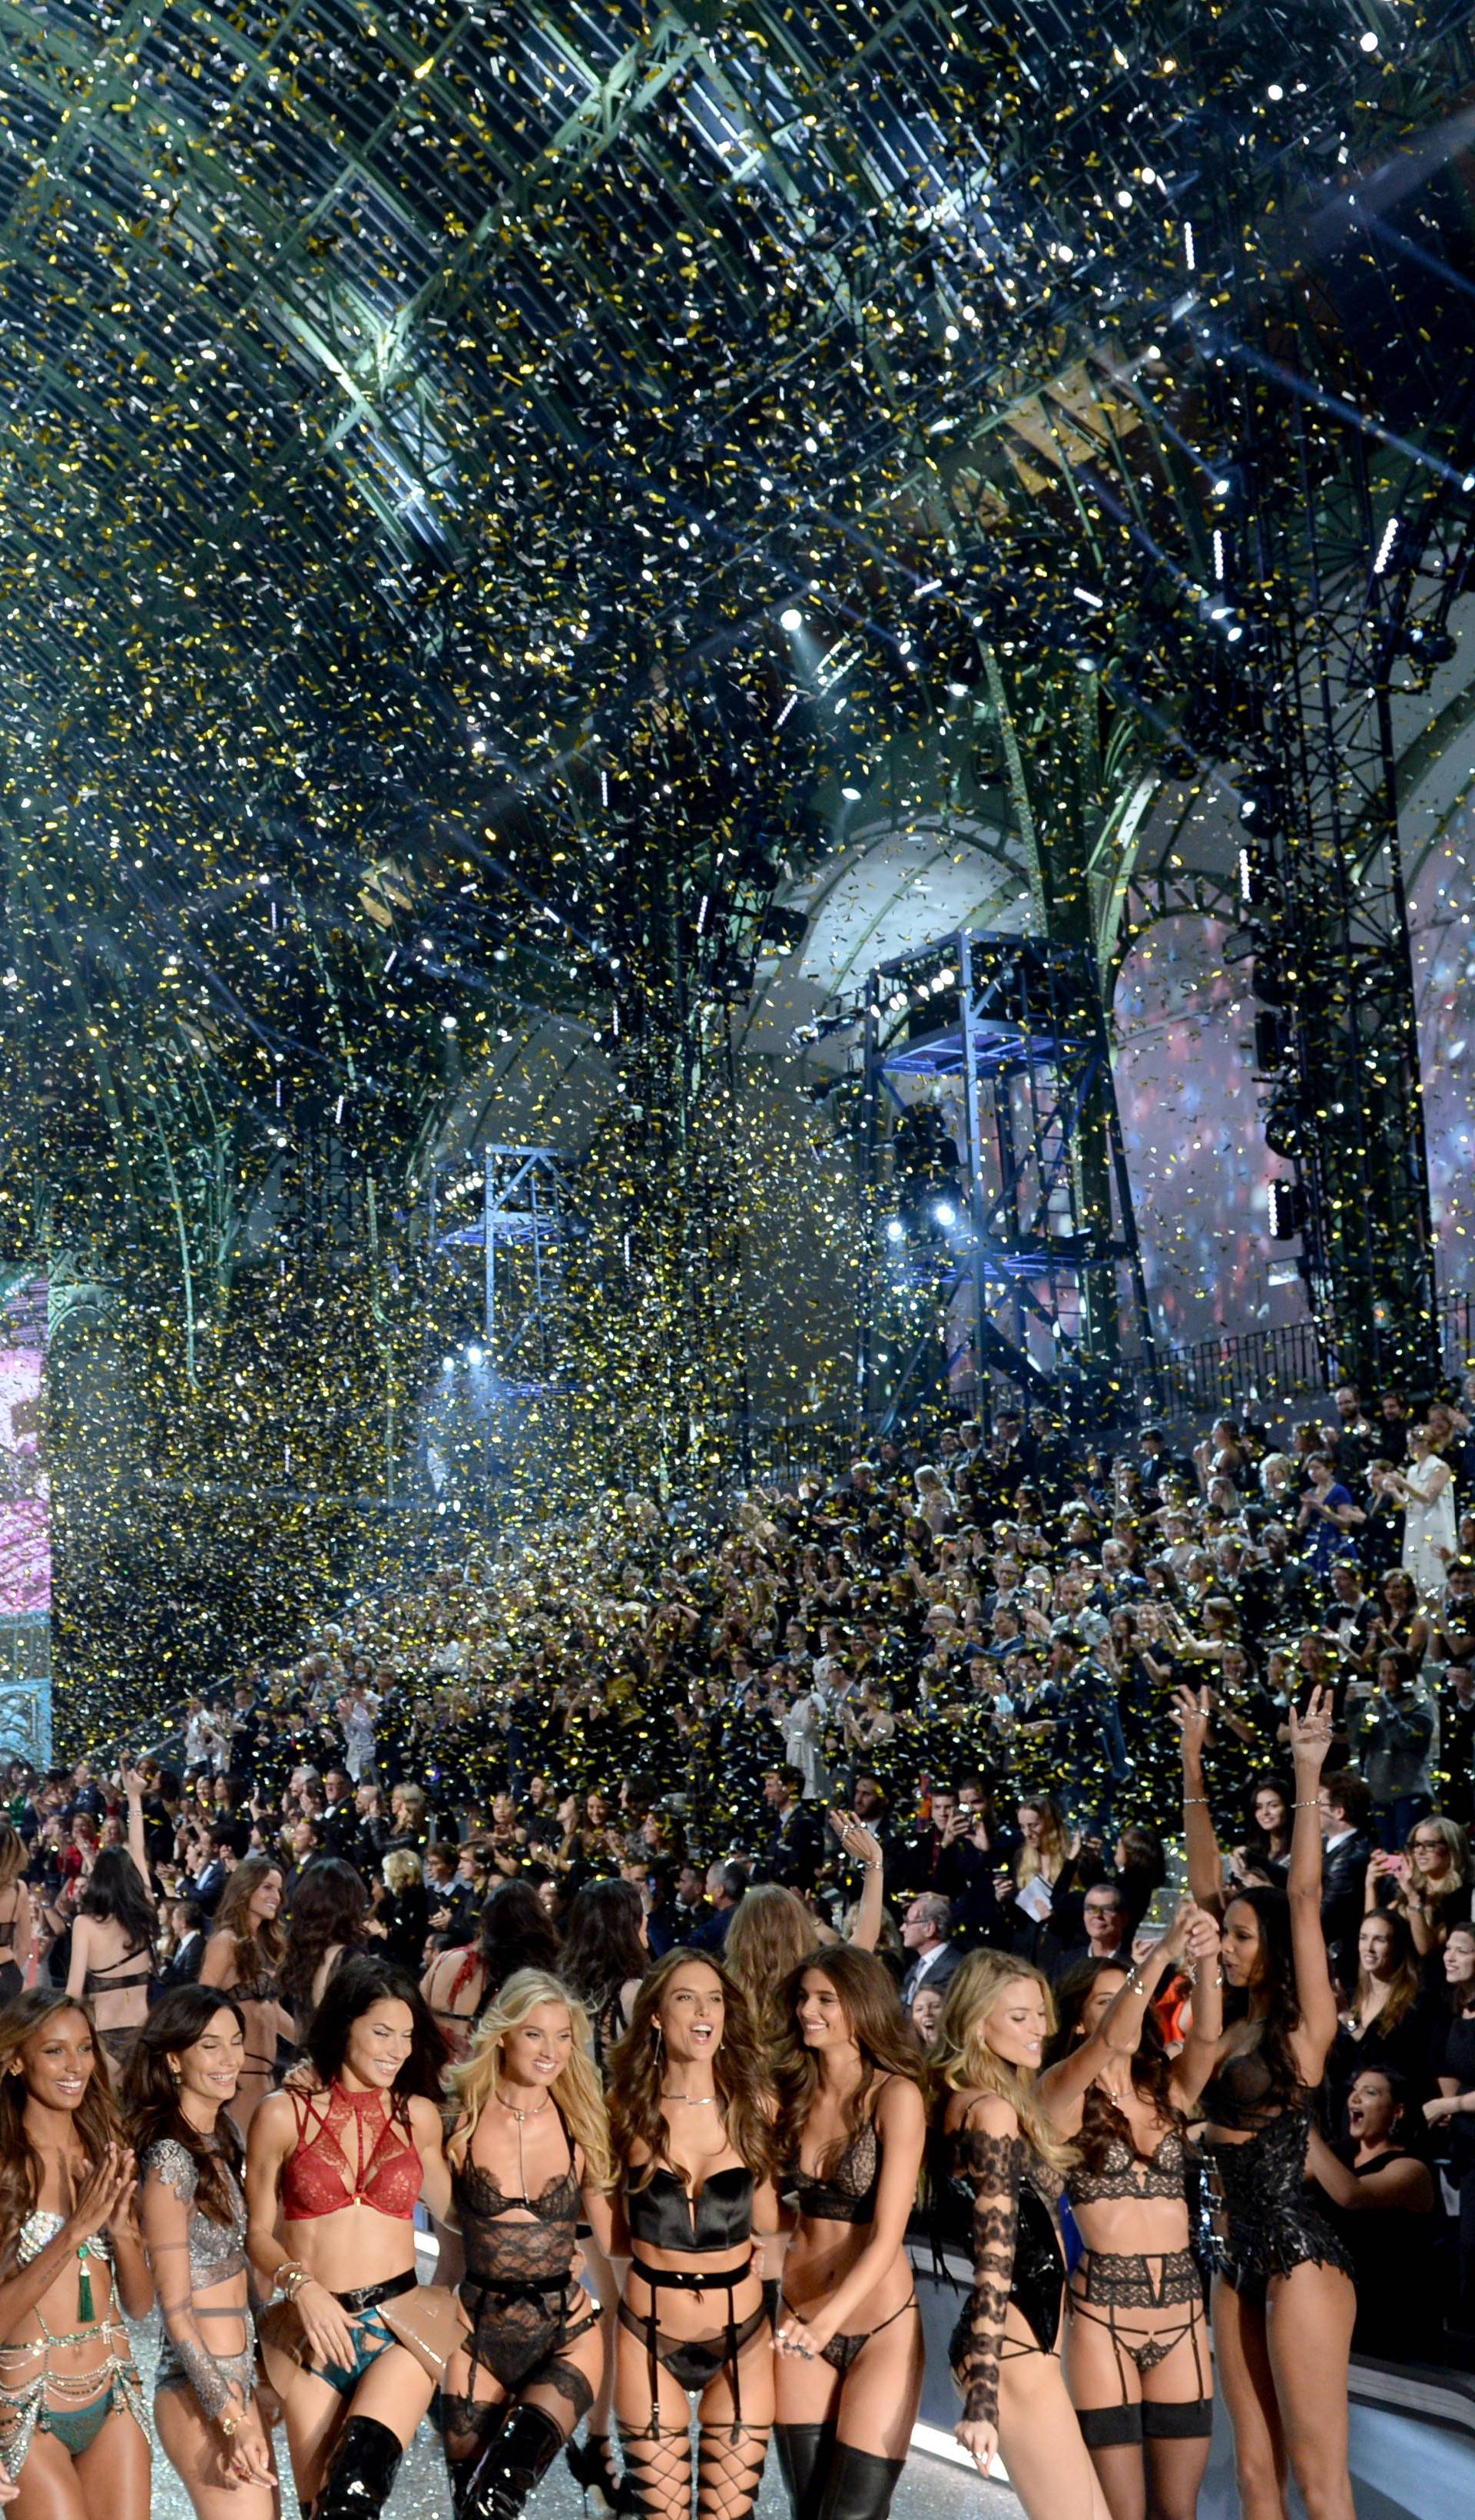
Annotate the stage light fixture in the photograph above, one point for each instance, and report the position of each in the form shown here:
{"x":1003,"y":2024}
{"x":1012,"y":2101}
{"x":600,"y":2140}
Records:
{"x":473,"y":1354}
{"x":1288,"y":1210}
{"x":896,"y":1232}
{"x":448,"y":1365}
{"x":944,"y":1212}
{"x":791,"y":618}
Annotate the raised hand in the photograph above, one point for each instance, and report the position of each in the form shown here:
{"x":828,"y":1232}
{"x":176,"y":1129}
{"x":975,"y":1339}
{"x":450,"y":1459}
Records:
{"x":854,"y":1837}
{"x":1310,"y":1732}
{"x":1191,"y":1710}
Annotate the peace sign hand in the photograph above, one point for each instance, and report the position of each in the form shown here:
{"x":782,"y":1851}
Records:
{"x":1310,"y":1732}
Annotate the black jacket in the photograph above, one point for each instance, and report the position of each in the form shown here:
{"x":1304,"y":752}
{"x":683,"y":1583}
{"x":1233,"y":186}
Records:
{"x":1342,"y":1881}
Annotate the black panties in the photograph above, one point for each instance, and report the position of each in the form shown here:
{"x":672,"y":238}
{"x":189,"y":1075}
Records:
{"x":694,"y":2362}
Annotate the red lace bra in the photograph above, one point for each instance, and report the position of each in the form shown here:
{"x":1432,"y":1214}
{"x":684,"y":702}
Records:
{"x":346,"y":2154}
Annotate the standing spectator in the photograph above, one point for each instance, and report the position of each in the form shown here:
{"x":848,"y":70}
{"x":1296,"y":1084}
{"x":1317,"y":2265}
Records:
{"x":933,"y":1959}
{"x":1427,"y":1491}
{"x":1392,"y":1737}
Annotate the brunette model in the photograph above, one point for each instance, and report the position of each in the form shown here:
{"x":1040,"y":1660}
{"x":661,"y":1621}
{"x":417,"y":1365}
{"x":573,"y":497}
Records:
{"x":242,"y":1959}
{"x":1005,"y":2169}
{"x":1136,"y":2344}
{"x":692,"y":2117}
{"x":852,"y":2132}
{"x":529,"y":2147}
{"x":341,"y":2168}
{"x":1283,"y":2297}
{"x":73,"y":2426}
{"x":182,"y":2078}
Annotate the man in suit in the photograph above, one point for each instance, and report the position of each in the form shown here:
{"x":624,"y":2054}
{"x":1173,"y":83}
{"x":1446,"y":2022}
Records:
{"x":726,"y":1886}
{"x":932,"y":1958}
{"x":182,"y":1967}
{"x":1345,"y":1850}
{"x":338,"y":1818}
{"x":794,"y":1844}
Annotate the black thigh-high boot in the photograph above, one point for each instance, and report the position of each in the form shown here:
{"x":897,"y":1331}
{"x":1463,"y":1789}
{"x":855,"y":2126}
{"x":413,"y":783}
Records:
{"x":503,"y":2479}
{"x":861,"y":2483}
{"x":805,"y":2451}
{"x":362,"y":2467}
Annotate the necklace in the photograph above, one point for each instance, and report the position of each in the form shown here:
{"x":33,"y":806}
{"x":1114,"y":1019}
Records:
{"x":522,"y":2116}
{"x":707,"y":2101}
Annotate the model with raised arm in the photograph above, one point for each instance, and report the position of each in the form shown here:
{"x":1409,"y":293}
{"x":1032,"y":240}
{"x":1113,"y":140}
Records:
{"x":1283,"y":2298}
{"x":1136,"y":2344}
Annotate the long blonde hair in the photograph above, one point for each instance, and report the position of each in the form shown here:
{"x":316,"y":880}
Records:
{"x":961,"y":2060}
{"x":576,"y":2093}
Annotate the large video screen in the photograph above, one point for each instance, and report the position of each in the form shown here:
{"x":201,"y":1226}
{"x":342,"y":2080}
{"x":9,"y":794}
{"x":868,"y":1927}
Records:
{"x":24,"y":1488}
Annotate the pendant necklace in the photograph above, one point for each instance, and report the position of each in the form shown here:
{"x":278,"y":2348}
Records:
{"x":522,"y":2116}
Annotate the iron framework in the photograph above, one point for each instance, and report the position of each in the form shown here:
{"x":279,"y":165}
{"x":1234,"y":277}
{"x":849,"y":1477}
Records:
{"x":994,"y":1183}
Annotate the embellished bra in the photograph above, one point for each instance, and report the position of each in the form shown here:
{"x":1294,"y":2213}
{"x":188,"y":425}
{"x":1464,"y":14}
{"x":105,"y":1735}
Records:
{"x":665,"y":2215}
{"x":849,"y":2193}
{"x":1124,"y":2172}
{"x":346,"y":2154}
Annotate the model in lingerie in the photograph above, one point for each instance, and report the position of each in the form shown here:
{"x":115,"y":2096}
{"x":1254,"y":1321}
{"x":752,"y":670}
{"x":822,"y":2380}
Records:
{"x":529,"y":2147}
{"x":692,"y":2119}
{"x":852,"y":2132}
{"x":340,"y":2169}
{"x":1283,"y":2272}
{"x":1136,"y":2344}
{"x":73,"y":2425}
{"x":182,"y":2078}
{"x":1002,"y":2166}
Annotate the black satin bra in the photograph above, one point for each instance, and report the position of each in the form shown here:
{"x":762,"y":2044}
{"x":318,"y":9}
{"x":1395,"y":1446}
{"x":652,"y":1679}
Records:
{"x":665,"y":2215}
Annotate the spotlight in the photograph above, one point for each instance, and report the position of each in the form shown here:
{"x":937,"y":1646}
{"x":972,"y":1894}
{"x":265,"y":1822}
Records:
{"x":944,"y":1212}
{"x":896,"y":1232}
{"x":791,"y":618}
{"x":473,"y":1354}
{"x":1260,"y":808}
{"x":448,"y":1365}
{"x":1429,"y":644}
{"x":852,"y":795}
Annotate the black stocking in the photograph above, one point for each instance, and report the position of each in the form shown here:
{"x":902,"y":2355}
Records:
{"x":1175,"y":2476}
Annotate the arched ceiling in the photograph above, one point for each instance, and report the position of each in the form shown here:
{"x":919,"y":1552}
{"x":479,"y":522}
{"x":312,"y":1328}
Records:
{"x":415,"y":420}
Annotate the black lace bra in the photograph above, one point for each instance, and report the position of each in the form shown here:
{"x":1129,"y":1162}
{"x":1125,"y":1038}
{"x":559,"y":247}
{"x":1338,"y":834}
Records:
{"x":665,"y":2215}
{"x":516,"y":2240}
{"x":1235,"y":2096}
{"x":1123,"y":2171}
{"x":848,"y":2194}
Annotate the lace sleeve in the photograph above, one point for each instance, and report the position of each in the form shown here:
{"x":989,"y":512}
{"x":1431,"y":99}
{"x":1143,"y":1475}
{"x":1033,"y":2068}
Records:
{"x":993,"y":2166}
{"x":166,"y":2201}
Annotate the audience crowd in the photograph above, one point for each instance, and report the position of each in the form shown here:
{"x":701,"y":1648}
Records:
{"x":985,"y":1657}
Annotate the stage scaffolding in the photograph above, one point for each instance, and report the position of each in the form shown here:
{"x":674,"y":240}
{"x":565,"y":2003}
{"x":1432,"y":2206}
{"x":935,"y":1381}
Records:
{"x":521,"y":1236}
{"x":1002,"y":1252}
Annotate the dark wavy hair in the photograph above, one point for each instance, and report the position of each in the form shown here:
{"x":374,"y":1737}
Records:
{"x":151,"y":2094}
{"x":1276,"y":1985}
{"x":878,"y":2026}
{"x":96,"y":2118}
{"x":354,"y":1991}
{"x":116,"y":1892}
{"x":329,"y":1906}
{"x":517,"y":1933}
{"x":1266,"y":1783}
{"x":602,"y":1949}
{"x":258,"y":1947}
{"x":1151,"y":2066}
{"x":637,"y":2069}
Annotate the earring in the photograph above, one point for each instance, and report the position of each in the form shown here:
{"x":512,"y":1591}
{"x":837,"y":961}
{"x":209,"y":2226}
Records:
{"x":174,"y":2072}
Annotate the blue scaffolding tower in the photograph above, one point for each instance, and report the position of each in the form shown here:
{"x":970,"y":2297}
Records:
{"x":1001,"y":1252}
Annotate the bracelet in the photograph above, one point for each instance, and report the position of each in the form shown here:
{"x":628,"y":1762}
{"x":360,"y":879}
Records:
{"x":1195,"y":1802}
{"x":290,"y":2279}
{"x":1312,"y":1805}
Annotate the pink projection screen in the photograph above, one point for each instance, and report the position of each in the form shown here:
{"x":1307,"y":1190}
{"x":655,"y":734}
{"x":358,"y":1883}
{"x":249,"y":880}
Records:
{"x":24,"y":1527}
